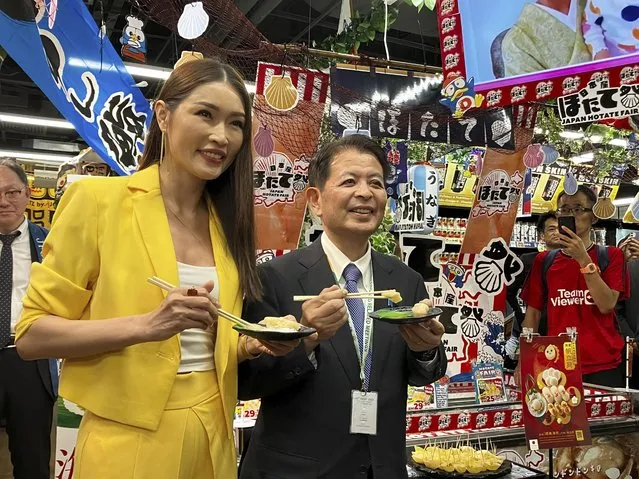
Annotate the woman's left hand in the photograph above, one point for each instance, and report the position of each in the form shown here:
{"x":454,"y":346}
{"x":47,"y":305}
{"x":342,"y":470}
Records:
{"x":256,"y":347}
{"x":574,"y":246}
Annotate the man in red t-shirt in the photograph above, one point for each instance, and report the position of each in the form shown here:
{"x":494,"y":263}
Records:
{"x":580,"y":295}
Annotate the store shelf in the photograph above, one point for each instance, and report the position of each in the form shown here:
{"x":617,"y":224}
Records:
{"x":509,"y":436}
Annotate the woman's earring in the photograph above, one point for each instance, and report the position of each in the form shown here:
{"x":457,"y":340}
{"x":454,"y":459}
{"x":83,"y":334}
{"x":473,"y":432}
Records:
{"x":162,"y":148}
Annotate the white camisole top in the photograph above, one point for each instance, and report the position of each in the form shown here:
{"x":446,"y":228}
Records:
{"x":197,"y":345}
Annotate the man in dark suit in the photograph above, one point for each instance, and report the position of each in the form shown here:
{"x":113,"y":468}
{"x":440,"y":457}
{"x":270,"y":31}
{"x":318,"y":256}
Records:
{"x":336,"y":406}
{"x":27,"y":388}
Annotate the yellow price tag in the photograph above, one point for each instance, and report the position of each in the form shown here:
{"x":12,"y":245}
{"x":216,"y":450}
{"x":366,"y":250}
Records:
{"x":570,"y":355}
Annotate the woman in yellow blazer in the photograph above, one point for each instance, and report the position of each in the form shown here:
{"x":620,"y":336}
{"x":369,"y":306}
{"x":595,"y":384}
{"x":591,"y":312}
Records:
{"x":156,"y":372}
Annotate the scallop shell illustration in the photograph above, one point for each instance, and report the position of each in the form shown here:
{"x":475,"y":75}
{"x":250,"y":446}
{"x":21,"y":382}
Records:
{"x":488,"y":276}
{"x":604,"y":209}
{"x":471,"y":328}
{"x":281,"y":94}
{"x":570,"y":184}
{"x":630,"y":101}
{"x":193,"y":21}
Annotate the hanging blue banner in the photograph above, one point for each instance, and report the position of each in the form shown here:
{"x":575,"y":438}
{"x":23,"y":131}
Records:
{"x":58,"y":44}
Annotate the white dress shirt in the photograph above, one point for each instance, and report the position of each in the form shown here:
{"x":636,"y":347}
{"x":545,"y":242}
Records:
{"x":21,"y":250}
{"x":339,"y":261}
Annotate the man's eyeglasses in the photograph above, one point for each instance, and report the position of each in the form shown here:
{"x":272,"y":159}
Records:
{"x":11,"y":195}
{"x":573,"y":210}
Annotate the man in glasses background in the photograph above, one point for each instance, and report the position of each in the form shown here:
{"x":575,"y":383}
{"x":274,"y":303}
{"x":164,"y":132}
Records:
{"x":580,"y":288}
{"x":27,"y":388}
{"x":548,"y":234}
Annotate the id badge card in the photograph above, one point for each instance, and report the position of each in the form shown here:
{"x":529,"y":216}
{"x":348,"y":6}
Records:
{"x":363,"y":412}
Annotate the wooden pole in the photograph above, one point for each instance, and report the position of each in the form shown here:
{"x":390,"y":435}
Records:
{"x":359,"y":58}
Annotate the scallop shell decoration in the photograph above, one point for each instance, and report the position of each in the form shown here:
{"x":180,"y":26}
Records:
{"x":550,"y":154}
{"x":604,"y":209}
{"x":193,"y":21}
{"x":281,"y":94}
{"x":263,"y":142}
{"x":634,"y":208}
{"x":488,"y":276}
{"x":534,"y":156}
{"x":570,"y":184}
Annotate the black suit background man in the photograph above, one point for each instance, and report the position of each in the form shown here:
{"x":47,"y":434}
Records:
{"x":304,"y":426}
{"x":27,"y":388}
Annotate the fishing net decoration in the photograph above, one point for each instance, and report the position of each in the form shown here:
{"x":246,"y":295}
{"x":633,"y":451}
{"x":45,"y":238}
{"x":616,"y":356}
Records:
{"x":232,"y":37}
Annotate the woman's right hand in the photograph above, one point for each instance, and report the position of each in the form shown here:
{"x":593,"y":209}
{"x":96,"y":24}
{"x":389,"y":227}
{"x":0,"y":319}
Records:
{"x":179,"y":311}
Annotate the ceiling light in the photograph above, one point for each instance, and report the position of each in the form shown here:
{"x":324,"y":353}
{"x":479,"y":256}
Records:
{"x":36,"y":121}
{"x":622,"y":142}
{"x":572,"y":135}
{"x":147,"y":71}
{"x":623,"y":201}
{"x":585,"y":158}
{"x":33,"y":155}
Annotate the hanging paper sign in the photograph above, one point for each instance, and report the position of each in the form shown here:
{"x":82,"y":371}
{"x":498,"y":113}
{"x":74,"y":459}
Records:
{"x":598,"y":101}
{"x":458,"y":188}
{"x":80,"y":73}
{"x":489,"y":383}
{"x":498,"y":191}
{"x":526,"y":197}
{"x":408,"y":106}
{"x":133,"y":40}
{"x":548,"y":182}
{"x":286,"y":127}
{"x":496,"y":267}
{"x":397,"y":159}
{"x":416,"y":208}
{"x":554,"y":405}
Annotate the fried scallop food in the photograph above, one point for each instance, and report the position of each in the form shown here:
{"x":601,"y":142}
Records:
{"x":282,"y":323}
{"x":421,"y":309}
{"x":465,"y":459}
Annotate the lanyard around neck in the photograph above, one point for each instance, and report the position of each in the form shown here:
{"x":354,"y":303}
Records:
{"x":367,"y":339}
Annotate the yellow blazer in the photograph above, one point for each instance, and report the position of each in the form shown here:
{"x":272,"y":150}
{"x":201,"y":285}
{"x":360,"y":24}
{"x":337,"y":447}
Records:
{"x":108,"y":236}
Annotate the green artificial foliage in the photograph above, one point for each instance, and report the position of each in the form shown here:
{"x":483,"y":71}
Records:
{"x":362,"y":29}
{"x":597,"y":139}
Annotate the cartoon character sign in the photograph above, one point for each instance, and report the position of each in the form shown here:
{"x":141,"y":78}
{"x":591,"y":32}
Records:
{"x":133,"y":40}
{"x":459,"y":94}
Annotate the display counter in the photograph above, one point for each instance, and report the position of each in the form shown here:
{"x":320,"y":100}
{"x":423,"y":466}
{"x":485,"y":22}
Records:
{"x":499,"y":427}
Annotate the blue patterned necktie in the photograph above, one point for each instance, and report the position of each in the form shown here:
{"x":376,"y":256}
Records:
{"x":6,"y":287}
{"x":358,"y":314}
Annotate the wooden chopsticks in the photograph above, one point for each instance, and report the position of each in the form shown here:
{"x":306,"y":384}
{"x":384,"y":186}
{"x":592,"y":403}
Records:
{"x":166,"y":286}
{"x":363,"y":295}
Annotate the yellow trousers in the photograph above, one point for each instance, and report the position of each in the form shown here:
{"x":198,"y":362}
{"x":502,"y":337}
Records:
{"x":190,"y":443}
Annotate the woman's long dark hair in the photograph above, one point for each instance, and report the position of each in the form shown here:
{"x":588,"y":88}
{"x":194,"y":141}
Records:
{"x":232,"y":191}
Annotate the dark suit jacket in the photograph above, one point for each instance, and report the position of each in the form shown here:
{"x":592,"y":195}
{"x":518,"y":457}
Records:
{"x":302,"y":431}
{"x":48,"y":369}
{"x":513,"y":291}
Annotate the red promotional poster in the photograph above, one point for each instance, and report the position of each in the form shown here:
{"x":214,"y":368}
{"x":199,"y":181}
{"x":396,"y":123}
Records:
{"x":555,"y":411}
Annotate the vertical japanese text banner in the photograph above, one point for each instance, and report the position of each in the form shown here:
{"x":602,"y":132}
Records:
{"x":287,"y":112}
{"x":416,"y":208}
{"x":58,"y":44}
